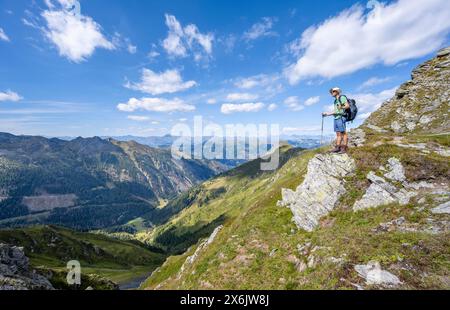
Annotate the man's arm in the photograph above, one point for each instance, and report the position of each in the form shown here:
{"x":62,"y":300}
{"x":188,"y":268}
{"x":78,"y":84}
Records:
{"x":344,"y":103}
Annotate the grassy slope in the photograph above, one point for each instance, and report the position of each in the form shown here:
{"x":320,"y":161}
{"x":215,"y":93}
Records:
{"x":52,"y":247}
{"x":240,"y":257}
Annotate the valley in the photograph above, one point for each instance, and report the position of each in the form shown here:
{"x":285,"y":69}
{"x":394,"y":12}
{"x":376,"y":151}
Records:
{"x":320,"y":221}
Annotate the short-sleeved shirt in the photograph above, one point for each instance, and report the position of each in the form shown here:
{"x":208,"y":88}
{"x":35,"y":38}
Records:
{"x":339,"y":106}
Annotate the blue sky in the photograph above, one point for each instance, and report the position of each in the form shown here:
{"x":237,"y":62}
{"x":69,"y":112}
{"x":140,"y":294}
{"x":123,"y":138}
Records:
{"x":85,"y":68}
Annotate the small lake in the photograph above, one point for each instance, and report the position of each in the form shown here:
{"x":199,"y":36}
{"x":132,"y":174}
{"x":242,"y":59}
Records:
{"x":134,"y":284}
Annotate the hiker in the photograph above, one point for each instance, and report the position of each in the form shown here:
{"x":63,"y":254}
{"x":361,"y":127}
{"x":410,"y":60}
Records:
{"x":341,"y":104}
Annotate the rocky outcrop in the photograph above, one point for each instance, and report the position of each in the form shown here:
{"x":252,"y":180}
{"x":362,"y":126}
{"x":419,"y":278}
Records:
{"x":320,"y":191}
{"x":357,"y":137}
{"x":420,"y":105}
{"x":393,"y":190}
{"x":442,"y":209}
{"x":15,"y":272}
{"x":374,"y":275}
{"x":191,"y":259}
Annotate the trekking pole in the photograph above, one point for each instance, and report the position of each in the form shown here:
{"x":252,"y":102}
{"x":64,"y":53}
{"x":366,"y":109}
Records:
{"x":321,"y":135}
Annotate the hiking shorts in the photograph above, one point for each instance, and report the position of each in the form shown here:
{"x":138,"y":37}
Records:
{"x":339,"y":124}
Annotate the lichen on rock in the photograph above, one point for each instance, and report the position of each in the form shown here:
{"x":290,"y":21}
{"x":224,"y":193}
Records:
{"x":15,"y":272}
{"x":320,"y":191}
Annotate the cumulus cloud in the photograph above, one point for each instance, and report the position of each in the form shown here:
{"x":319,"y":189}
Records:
{"x":76,"y":36}
{"x":260,"y":80}
{"x":155,"y":105}
{"x":154,"y":83}
{"x":132,"y":49}
{"x":293,"y":103}
{"x":260,"y":29}
{"x":272,"y":107}
{"x":153,"y":54}
{"x":312,"y":101}
{"x":369,"y":102}
{"x":241,"y":96}
{"x":229,"y":108}
{"x":3,"y":36}
{"x":182,"y":41}
{"x":374,"y":81}
{"x":138,"y":118}
{"x":10,"y":96}
{"x":387,"y":34}
{"x":211,"y":101}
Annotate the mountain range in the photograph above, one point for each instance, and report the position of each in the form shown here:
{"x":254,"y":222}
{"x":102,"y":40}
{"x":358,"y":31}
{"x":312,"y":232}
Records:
{"x":89,"y":183}
{"x":375,"y":218}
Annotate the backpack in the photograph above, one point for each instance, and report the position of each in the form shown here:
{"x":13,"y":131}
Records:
{"x":352,"y":111}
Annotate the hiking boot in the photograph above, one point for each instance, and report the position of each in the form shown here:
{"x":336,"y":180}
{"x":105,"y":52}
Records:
{"x":343,"y":149}
{"x":336,"y":149}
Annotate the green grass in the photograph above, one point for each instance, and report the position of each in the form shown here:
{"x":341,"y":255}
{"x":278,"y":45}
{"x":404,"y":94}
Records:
{"x":52,"y":247}
{"x":240,"y":257}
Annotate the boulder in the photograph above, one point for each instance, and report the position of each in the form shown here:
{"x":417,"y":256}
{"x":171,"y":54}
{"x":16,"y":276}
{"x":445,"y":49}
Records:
{"x":374,"y":275}
{"x":15,"y":272}
{"x":382,"y":192}
{"x":442,"y":209}
{"x":321,"y":189}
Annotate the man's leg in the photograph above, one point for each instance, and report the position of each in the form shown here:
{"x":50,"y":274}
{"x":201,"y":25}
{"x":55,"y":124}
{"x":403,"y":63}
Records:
{"x":345,"y":139}
{"x":338,"y":143}
{"x":344,"y":144}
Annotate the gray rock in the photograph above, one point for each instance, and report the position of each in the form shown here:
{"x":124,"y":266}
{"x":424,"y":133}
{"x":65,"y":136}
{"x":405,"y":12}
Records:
{"x":396,"y":170}
{"x":357,"y":137}
{"x":374,"y":275}
{"x":376,"y":128}
{"x":203,"y":245}
{"x":382,"y":192}
{"x":15,"y":272}
{"x":444,"y":52}
{"x":396,"y":127}
{"x":425,"y":119}
{"x":319,"y":192}
{"x":406,"y":113}
{"x":442,"y":209}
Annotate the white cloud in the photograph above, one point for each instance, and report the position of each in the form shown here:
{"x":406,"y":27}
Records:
{"x":369,"y":102}
{"x":138,"y":118}
{"x":49,"y":4}
{"x":155,"y":105}
{"x":3,"y":35}
{"x":229,"y":108}
{"x":211,"y":101}
{"x":76,"y":36}
{"x":259,"y":80}
{"x":261,"y":29}
{"x":272,"y":107}
{"x":10,"y":96}
{"x":154,"y":83}
{"x":132,"y":49}
{"x":153,"y":54}
{"x":228,"y":42}
{"x":388,"y":34}
{"x":293,"y":103}
{"x":373,"y":82}
{"x":241,"y":96}
{"x":312,"y":101}
{"x":181,"y":41}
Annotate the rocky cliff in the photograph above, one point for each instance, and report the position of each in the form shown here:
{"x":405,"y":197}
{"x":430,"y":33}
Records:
{"x":15,"y":271}
{"x":421,"y":105}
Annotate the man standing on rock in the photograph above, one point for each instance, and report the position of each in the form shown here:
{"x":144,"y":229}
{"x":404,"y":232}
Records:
{"x":340,"y":105}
